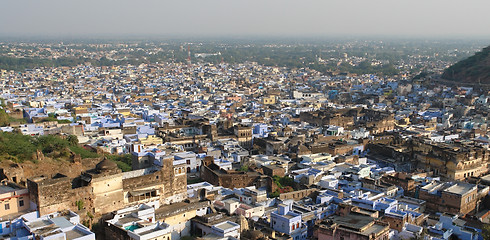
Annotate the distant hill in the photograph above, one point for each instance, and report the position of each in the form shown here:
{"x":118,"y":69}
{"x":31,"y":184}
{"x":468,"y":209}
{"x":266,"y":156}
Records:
{"x":473,"y":70}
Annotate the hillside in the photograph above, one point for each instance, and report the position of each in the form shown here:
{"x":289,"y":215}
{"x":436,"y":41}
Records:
{"x":473,"y":70}
{"x":50,"y":150}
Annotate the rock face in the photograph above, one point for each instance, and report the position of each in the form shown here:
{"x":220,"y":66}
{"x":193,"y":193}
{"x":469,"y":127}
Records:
{"x":473,"y":70}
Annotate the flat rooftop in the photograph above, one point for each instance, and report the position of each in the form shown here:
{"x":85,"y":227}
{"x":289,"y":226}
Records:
{"x":230,"y":200}
{"x":39,"y":223}
{"x":486,"y":178}
{"x":460,"y":188}
{"x":74,"y":234}
{"x":8,"y":188}
{"x":374,"y":229}
{"x":149,"y":231}
{"x":126,"y":220}
{"x":61,"y":222}
{"x":226,"y":225}
{"x":353,"y":221}
{"x":177,"y":208}
{"x":433,"y":186}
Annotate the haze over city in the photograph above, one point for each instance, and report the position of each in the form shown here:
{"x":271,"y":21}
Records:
{"x":416,"y":18}
{"x":245,"y":120}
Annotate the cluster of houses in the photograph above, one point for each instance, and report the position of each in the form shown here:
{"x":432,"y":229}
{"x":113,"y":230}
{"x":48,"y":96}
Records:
{"x":247,"y":151}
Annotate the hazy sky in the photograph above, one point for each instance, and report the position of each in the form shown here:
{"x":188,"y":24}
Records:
{"x":417,"y":18}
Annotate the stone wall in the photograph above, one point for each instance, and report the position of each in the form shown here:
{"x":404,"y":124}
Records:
{"x":103,"y":193}
{"x":298,"y":195}
{"x":51,"y":195}
{"x":233,"y":179}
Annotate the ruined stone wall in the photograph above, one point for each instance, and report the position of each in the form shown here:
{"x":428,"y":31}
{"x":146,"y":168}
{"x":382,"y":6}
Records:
{"x":340,"y":149}
{"x":152,"y":179}
{"x":14,"y":173}
{"x":297,"y":195}
{"x":210,"y":176}
{"x":104,"y":192}
{"x":237,"y":180}
{"x":319,"y":148}
{"x":51,"y":195}
{"x":269,"y":171}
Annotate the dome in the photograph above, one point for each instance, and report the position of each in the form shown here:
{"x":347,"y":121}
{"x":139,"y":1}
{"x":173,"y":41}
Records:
{"x":106,"y":165}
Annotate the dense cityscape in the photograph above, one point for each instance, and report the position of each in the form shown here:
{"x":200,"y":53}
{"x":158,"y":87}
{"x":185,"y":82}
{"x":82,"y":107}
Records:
{"x":230,"y":140}
{"x":244,"y":120}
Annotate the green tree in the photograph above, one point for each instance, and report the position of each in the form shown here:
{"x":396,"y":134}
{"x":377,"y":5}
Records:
{"x":243,"y":168}
{"x":73,"y":140}
{"x":274,"y":194}
{"x":123,"y":161}
{"x":4,"y":118}
{"x":282,"y":182}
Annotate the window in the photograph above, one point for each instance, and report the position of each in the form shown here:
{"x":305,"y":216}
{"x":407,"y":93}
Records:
{"x":21,"y":203}
{"x":7,"y":206}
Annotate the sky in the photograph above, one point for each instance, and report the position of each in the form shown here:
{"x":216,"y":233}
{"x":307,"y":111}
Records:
{"x":221,"y":18}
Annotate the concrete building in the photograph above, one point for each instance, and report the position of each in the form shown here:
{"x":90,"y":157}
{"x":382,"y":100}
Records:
{"x":352,"y":226}
{"x":13,"y":199}
{"x":54,"y":226}
{"x":287,"y":221}
{"x":192,"y":163}
{"x":216,"y":225}
{"x":178,"y":216}
{"x":455,"y":198}
{"x":137,"y":223}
